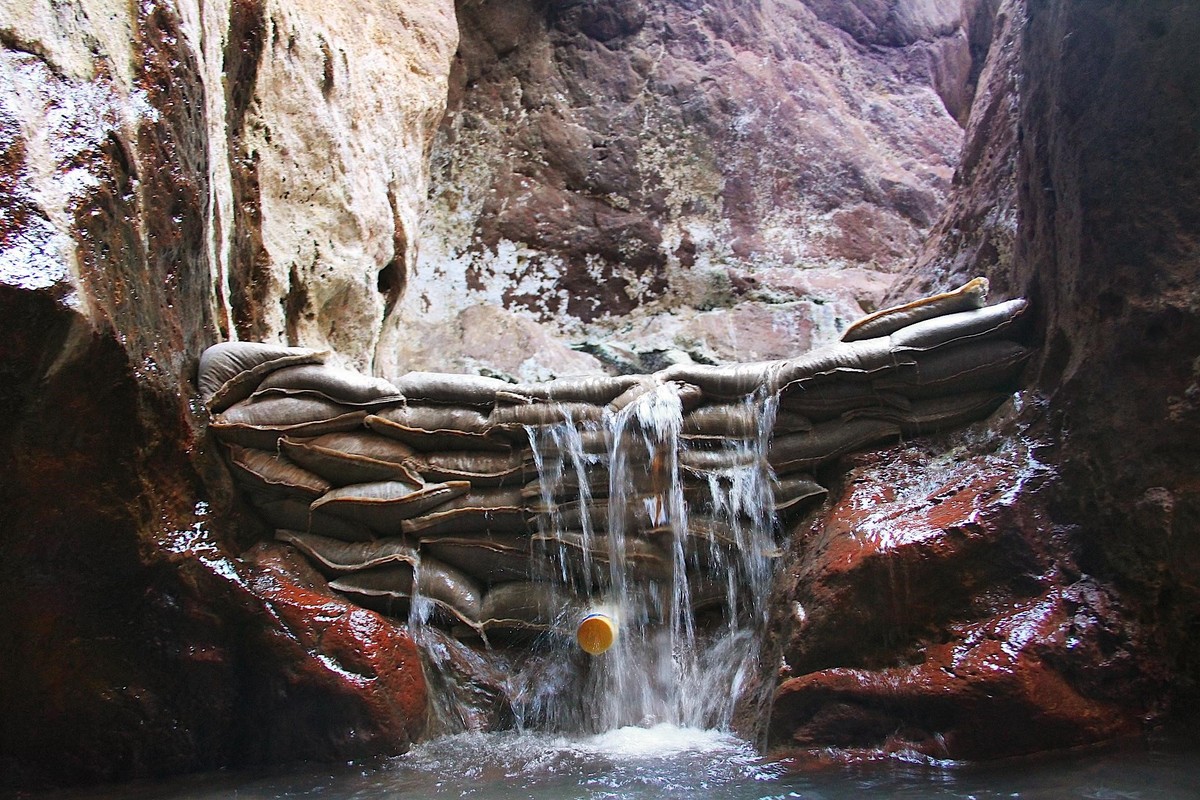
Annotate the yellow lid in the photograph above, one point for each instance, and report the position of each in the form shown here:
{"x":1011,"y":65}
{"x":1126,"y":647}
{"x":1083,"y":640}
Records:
{"x":596,"y":633}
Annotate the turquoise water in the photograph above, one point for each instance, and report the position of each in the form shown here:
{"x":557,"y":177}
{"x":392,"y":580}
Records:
{"x":671,"y":762}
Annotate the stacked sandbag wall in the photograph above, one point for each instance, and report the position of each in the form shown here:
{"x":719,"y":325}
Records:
{"x":445,"y":485}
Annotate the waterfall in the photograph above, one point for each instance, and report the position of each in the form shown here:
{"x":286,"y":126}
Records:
{"x":688,"y":632}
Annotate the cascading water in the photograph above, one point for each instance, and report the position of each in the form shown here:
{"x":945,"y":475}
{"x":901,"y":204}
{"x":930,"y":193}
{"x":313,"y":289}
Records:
{"x":680,"y":559}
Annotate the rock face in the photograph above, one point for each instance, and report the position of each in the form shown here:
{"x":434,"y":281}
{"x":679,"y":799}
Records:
{"x":329,"y":122}
{"x":1028,"y":598}
{"x":1115,"y":270}
{"x":675,"y":176}
{"x":977,"y":233}
{"x":937,"y":607}
{"x":149,"y":212}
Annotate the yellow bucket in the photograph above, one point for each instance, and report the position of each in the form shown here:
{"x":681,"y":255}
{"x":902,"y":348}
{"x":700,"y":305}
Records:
{"x":596,"y":633}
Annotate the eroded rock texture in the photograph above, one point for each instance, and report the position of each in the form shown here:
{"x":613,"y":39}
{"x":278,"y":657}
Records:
{"x":1032,"y":585}
{"x":135,"y":642}
{"x":329,"y":114}
{"x":730,"y":181}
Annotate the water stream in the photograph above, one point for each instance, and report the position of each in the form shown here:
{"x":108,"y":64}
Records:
{"x":666,"y":762}
{"x":680,"y":560}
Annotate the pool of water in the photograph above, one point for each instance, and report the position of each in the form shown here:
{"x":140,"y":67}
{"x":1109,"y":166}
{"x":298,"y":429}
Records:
{"x":671,"y":762}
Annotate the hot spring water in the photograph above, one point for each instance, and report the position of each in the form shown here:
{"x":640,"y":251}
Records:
{"x":613,"y":496}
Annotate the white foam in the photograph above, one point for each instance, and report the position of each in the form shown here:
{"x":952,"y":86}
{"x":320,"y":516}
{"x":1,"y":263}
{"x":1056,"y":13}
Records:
{"x":658,"y":741}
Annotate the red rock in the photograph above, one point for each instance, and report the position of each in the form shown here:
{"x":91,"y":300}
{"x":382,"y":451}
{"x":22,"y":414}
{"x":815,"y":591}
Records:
{"x":1064,"y":609}
{"x":627,"y":154}
{"x":904,"y":550}
{"x":987,"y":693}
{"x":935,"y":605}
{"x":359,"y":671}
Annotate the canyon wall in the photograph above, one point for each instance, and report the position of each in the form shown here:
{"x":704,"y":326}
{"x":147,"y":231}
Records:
{"x":174,"y":175}
{"x":665,"y":181}
{"x":617,"y":186}
{"x":1031,"y":583}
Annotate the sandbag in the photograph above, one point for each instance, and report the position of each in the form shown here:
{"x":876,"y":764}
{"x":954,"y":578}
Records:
{"x":969,"y":296}
{"x":640,"y":515}
{"x":706,"y":594}
{"x":455,"y":389}
{"x":689,"y":395}
{"x":436,"y":419}
{"x":706,"y":540}
{"x":436,"y":428}
{"x":488,"y":557}
{"x":266,"y":473}
{"x":827,"y":400}
{"x":383,"y":505}
{"x":294,"y":513}
{"x":481,"y":468}
{"x":330,"y":383}
{"x":962,"y":368}
{"x":230,"y":371}
{"x":334,"y":557}
{"x":827,"y":441}
{"x":737,"y":421}
{"x":531,"y":606}
{"x":640,"y":386}
{"x":496,"y":510}
{"x":843,"y":359}
{"x":728,"y":381}
{"x":592,"y":441}
{"x":567,"y":486}
{"x":262,"y":423}
{"x":352,"y":457}
{"x":707,"y":491}
{"x":592,"y":389}
{"x":942,"y":413}
{"x":452,"y":588}
{"x":643,"y":560}
{"x":515,"y":417}
{"x":937,"y":413}
{"x":946,"y":330}
{"x":792,"y":490}
{"x":381,"y":587}
{"x":700,"y":460}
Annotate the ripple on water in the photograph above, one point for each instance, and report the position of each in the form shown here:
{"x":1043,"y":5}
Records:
{"x":660,"y":761}
{"x":667,"y":762}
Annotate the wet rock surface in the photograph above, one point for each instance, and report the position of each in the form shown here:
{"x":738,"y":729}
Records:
{"x":1081,"y":602}
{"x":937,"y":607}
{"x":138,"y":644}
{"x":136,"y":641}
{"x":1116,"y":274}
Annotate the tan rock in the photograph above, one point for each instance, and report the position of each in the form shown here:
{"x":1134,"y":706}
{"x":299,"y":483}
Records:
{"x":487,"y":339}
{"x":334,"y":142}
